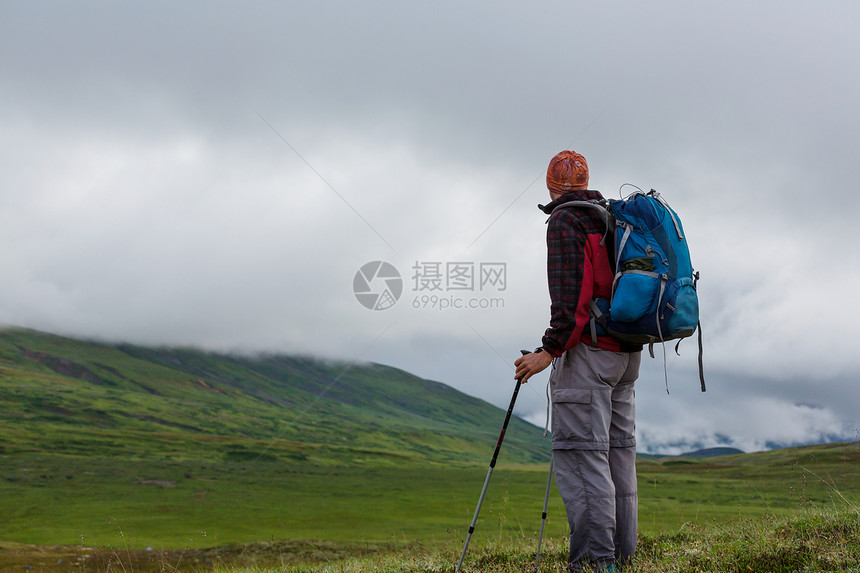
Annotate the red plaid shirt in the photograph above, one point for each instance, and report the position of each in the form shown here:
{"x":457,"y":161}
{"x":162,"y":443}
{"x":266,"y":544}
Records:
{"x":578,"y":270}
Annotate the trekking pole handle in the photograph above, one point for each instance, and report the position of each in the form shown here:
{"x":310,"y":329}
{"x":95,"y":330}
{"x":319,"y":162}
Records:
{"x":508,"y":416}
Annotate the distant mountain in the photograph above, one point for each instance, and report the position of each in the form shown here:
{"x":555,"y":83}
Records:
{"x":703,"y":453}
{"x":74,"y":397}
{"x":712,"y":452}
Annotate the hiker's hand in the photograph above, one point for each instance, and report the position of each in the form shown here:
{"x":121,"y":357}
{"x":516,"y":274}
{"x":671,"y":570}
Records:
{"x":530,"y":364}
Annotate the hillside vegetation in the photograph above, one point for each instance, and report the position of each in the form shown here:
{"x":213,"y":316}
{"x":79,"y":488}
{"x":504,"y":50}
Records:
{"x":81,"y":398}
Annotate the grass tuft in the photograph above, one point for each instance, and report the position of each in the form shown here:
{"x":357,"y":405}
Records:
{"x":811,"y":542}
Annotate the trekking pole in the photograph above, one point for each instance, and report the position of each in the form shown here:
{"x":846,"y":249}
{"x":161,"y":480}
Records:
{"x":492,"y":465}
{"x":543,"y":515}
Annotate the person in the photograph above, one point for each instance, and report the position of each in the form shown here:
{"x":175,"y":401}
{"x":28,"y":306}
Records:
{"x":593,"y":411}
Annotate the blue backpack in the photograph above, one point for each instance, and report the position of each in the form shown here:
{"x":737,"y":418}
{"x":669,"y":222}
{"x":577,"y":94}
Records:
{"x":654,"y":295}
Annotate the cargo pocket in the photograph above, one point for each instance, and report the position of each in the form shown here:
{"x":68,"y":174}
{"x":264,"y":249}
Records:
{"x":571,"y":416}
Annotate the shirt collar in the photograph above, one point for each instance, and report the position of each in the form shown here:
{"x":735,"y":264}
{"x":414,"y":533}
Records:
{"x":572,"y":195}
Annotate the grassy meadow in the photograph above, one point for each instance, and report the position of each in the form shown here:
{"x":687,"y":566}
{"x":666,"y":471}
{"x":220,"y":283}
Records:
{"x":266,"y":513}
{"x":124,"y":458}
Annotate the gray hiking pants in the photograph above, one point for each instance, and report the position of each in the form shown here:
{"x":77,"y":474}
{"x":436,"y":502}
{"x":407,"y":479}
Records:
{"x":594,"y":452}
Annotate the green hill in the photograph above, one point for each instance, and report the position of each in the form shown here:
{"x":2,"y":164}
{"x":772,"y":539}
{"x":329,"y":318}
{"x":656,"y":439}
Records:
{"x":79,"y":398}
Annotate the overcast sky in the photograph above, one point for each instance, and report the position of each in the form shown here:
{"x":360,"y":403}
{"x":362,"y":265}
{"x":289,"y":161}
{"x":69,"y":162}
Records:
{"x":215,"y":173}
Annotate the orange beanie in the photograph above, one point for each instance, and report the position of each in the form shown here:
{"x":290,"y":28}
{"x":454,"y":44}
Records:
{"x":567,"y":170}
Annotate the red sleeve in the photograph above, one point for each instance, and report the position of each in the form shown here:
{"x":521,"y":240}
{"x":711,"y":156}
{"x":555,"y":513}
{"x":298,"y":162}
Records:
{"x":570,"y":275}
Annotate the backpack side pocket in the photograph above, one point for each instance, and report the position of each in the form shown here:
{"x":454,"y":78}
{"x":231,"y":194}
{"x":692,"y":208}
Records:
{"x":635,"y":296}
{"x":685,"y":308}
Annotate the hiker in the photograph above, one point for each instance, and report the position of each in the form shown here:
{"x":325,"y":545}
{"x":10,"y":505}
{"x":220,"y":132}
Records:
{"x":593,"y":441}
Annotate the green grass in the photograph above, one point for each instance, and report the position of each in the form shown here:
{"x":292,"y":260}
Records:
{"x":174,"y":504}
{"x":775,"y":483}
{"x":736,"y":513}
{"x":814,"y":541}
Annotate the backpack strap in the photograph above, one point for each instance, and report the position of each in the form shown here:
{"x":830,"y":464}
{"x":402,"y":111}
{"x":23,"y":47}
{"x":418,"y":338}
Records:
{"x":595,"y":204}
{"x":663,"y":279}
{"x":699,"y":328}
{"x":701,"y":368}
{"x":663,"y":202}
{"x":596,"y":316}
{"x":626,"y":235}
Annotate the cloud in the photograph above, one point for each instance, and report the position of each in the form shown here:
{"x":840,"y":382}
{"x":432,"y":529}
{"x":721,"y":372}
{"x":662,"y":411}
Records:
{"x":751,"y":425}
{"x":213,"y":175}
